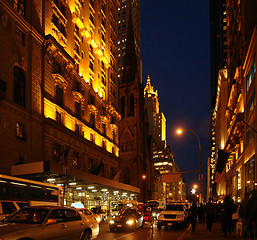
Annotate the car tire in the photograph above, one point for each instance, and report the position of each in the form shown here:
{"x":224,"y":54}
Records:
{"x":86,"y":235}
{"x":159,"y":226}
{"x":134,"y":227}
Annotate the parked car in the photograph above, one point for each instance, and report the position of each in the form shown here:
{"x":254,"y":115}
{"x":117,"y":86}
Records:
{"x":90,"y":214}
{"x":48,"y":222}
{"x":173,"y":213}
{"x":102,"y":213}
{"x":128,"y":219}
{"x":146,"y":210}
{"x":7,"y":207}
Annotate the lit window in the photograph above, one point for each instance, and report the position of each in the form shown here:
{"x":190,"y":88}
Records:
{"x":20,"y":131}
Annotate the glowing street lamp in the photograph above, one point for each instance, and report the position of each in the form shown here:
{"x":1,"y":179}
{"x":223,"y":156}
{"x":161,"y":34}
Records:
{"x":180,"y":131}
{"x":193,"y":191}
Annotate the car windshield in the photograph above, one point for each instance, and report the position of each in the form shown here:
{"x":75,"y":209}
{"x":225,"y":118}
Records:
{"x":175,"y":207}
{"x":28,"y":215}
{"x":86,"y":212}
{"x":119,"y":207}
{"x":127,"y":212}
{"x":22,"y":204}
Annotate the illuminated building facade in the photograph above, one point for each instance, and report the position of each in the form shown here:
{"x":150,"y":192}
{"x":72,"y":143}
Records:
{"x":218,"y":60}
{"x":59,"y":95}
{"x":235,"y":109}
{"x":162,"y":157}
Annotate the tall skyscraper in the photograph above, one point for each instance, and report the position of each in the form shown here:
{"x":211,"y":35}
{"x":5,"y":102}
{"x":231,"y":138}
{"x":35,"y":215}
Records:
{"x":162,"y":156}
{"x":129,"y":10}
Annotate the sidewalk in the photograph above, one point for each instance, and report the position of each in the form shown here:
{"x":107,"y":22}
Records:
{"x":201,"y":233}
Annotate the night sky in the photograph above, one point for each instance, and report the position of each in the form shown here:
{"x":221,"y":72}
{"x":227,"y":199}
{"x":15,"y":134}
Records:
{"x":175,"y":53}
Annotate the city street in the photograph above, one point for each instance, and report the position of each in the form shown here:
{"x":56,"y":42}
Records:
{"x":146,"y":233}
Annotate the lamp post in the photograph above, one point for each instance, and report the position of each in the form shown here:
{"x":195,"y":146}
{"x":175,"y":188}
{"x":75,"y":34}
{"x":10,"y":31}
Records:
{"x":180,"y":131}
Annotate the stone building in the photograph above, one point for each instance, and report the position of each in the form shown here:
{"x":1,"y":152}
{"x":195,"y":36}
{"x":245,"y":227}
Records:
{"x":234,"y":125}
{"x":59,"y":96}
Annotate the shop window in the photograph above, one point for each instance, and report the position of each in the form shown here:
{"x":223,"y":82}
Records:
{"x":250,"y":174}
{"x":250,"y":106}
{"x":250,"y":75}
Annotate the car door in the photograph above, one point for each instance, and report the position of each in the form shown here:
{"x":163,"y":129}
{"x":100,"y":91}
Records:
{"x":73,"y":224}
{"x":56,"y":228}
{"x":139,"y":219}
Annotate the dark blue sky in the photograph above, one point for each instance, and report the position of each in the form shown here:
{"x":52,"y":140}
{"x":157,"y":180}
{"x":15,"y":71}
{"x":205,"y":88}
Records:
{"x":175,"y":53}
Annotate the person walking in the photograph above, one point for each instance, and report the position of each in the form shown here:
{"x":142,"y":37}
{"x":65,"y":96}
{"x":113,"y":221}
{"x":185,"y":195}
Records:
{"x":251,"y":211}
{"x":193,"y":212}
{"x":218,"y":211}
{"x":226,"y":217}
{"x":201,"y":213}
{"x":210,"y":214}
{"x":242,"y":214}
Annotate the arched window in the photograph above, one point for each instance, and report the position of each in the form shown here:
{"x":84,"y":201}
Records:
{"x":19,"y":86}
{"x":127,"y":175}
{"x":122,"y":107}
{"x":131,"y":105}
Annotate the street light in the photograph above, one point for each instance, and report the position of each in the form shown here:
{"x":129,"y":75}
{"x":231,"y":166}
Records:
{"x":180,"y":131}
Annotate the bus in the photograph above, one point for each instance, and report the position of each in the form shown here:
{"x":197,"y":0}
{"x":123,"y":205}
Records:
{"x":32,"y":192}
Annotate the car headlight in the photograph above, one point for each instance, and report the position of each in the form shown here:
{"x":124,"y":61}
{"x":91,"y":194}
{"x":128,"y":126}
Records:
{"x":111,"y":222}
{"x":98,"y":219}
{"x":130,"y":222}
{"x":154,"y":214}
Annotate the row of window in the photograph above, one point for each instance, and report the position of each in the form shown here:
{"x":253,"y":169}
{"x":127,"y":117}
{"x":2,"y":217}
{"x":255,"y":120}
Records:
{"x":60,"y":154}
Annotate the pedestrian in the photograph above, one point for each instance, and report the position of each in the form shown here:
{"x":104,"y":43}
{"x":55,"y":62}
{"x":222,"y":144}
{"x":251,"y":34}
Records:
{"x":242,"y":214}
{"x":218,"y":211}
{"x":226,"y":216}
{"x":210,"y":214}
{"x":193,"y":212}
{"x":201,"y":212}
{"x":251,"y":211}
